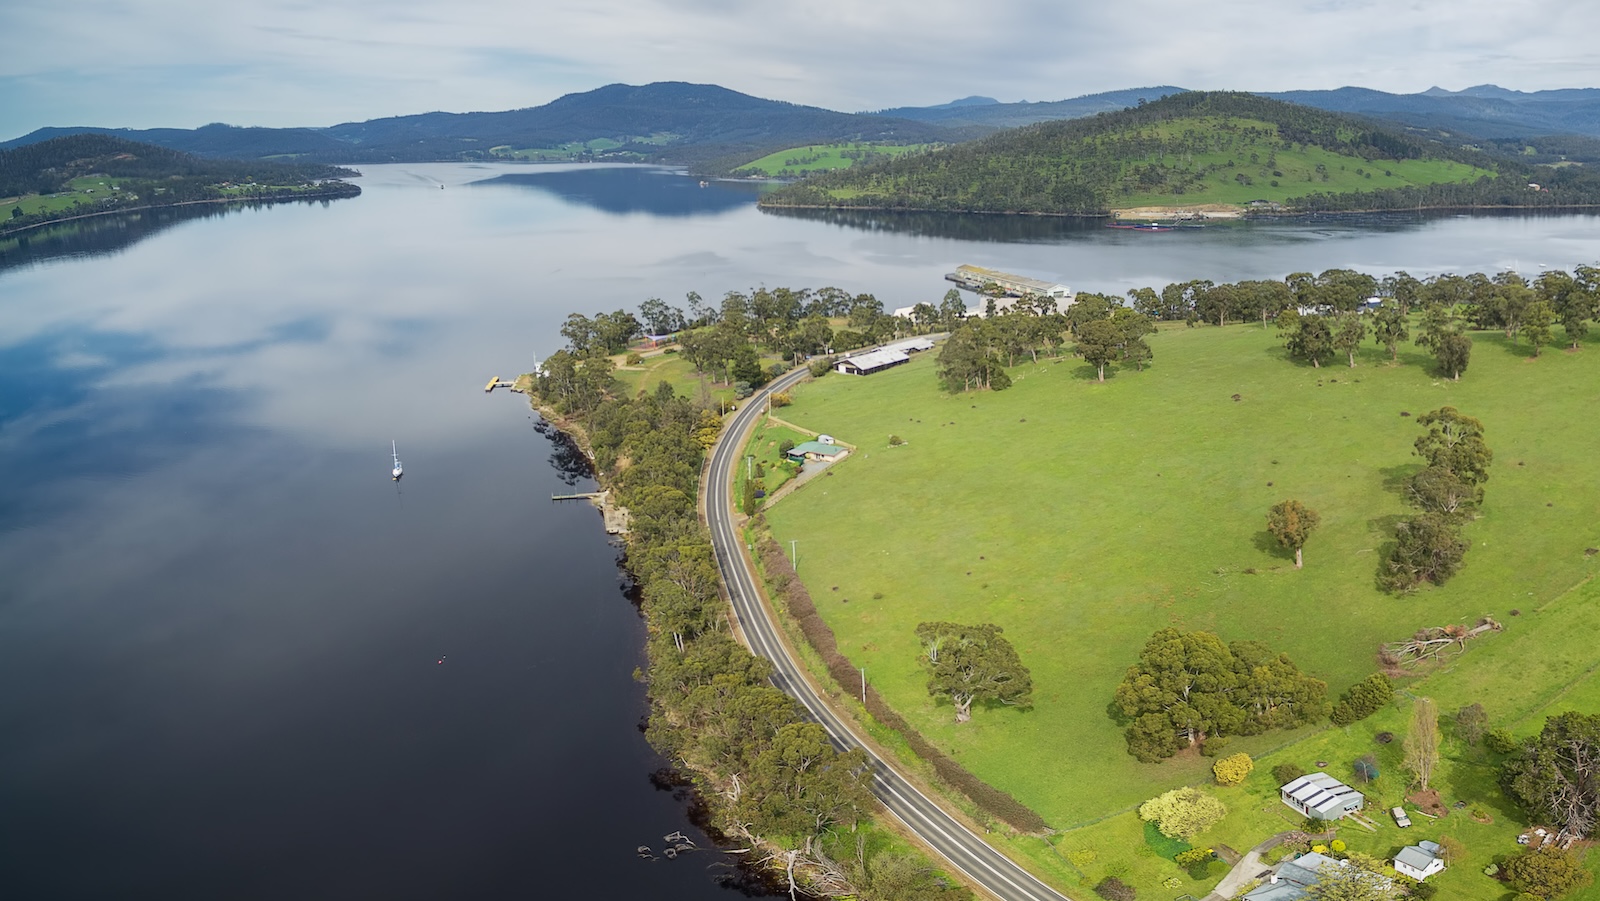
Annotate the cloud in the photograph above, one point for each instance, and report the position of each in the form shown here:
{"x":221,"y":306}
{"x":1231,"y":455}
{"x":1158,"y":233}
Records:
{"x":284,"y":62}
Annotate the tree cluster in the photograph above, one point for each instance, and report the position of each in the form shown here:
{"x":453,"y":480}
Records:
{"x":969,"y":664}
{"x":1189,"y":687}
{"x":1555,"y":775}
{"x":767,"y":774}
{"x":1429,"y":546}
{"x":1362,"y":700}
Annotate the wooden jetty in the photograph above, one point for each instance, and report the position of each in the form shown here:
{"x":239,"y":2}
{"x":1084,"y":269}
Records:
{"x":616,"y":517}
{"x":495,"y":383}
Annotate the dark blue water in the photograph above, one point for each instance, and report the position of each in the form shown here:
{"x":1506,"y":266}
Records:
{"x":221,"y":623}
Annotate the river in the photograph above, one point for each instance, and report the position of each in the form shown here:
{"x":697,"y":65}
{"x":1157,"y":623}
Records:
{"x":238,"y":661}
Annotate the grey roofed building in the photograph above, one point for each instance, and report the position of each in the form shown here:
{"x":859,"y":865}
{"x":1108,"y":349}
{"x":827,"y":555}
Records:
{"x":1419,"y":861}
{"x":910,"y":345}
{"x":1322,"y":796}
{"x":870,"y":362}
{"x":1292,"y":878}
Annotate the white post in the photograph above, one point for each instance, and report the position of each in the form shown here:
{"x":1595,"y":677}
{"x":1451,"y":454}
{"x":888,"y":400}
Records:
{"x":794,"y":552}
{"x":863,"y":686}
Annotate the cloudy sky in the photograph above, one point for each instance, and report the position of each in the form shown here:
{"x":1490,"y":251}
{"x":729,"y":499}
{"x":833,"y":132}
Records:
{"x":183,"y":63}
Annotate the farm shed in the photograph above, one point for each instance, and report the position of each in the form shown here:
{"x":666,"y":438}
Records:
{"x":1322,"y":796}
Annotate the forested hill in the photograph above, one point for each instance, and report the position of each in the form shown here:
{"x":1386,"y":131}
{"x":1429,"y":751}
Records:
{"x":1191,"y":149}
{"x":670,"y":122}
{"x":92,"y":173}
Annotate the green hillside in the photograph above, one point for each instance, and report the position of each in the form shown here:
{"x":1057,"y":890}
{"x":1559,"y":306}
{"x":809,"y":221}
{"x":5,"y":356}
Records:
{"x":795,"y":161}
{"x":1193,"y":149}
{"x":1082,"y":516}
{"x":92,"y":173}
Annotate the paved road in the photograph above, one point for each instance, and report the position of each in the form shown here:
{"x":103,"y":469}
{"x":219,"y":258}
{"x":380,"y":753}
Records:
{"x":959,"y":846}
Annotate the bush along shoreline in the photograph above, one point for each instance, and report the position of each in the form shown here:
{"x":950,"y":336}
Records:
{"x":769,"y":780}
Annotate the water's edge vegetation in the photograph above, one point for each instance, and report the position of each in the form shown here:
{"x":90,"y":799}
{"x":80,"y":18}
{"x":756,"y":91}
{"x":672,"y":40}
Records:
{"x":769,"y":779}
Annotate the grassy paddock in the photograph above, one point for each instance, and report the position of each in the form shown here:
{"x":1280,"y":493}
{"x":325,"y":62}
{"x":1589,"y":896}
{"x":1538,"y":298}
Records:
{"x":818,"y":158}
{"x":1081,"y":517}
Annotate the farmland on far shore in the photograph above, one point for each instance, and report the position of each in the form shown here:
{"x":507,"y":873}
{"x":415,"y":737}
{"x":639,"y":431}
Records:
{"x":822,"y":157}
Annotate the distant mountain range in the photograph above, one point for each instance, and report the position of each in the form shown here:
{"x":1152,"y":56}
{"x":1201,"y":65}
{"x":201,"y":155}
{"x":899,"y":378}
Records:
{"x":716,"y":129}
{"x":665,"y":121}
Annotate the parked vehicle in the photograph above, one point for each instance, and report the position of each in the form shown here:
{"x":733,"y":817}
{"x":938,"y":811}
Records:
{"x":1400,"y":818}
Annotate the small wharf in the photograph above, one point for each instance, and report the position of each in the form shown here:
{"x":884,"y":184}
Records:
{"x":495,"y":383}
{"x":616,"y":517}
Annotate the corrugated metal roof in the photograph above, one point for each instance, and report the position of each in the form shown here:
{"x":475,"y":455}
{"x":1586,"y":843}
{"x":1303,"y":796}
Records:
{"x":876,"y":359}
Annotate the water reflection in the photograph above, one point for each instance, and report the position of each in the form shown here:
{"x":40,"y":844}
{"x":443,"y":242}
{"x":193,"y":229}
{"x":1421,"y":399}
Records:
{"x":634,"y":189}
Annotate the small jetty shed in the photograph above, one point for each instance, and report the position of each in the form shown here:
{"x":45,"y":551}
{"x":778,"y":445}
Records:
{"x":1321,"y":796}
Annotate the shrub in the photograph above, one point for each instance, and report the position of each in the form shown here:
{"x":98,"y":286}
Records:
{"x":742,"y":389}
{"x":820,"y":367}
{"x":1366,"y":768}
{"x":1337,"y":846}
{"x":782,"y":399}
{"x":1424,"y":890}
{"x":896,"y":441}
{"x":1192,"y":857}
{"x":1183,"y":812}
{"x":1548,"y":872}
{"x":633,"y":358}
{"x":1213,"y":746}
{"x":1363,"y":700}
{"x":1233,"y":769}
{"x":1113,"y":889}
{"x":1500,"y":741}
{"x":1286,"y":773}
{"x":1082,"y":857}
{"x":785,"y":446}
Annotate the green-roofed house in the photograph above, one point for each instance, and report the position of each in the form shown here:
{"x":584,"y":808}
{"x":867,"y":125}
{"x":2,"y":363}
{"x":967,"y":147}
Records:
{"x":816,"y":450}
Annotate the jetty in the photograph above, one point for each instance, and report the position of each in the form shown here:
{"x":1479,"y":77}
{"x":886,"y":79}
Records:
{"x":616,"y":518}
{"x":977,"y":278}
{"x":495,"y":383}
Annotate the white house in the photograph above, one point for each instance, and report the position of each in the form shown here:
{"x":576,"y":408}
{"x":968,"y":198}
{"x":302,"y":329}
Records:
{"x":1419,"y":861}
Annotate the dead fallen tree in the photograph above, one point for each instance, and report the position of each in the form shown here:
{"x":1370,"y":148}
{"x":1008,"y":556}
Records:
{"x":1434,"y":643}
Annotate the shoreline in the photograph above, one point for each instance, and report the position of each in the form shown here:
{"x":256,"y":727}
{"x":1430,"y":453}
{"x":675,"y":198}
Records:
{"x":1243,"y":215}
{"x":325,"y":195}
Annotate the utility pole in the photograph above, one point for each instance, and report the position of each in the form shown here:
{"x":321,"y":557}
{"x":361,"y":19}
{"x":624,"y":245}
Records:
{"x":794,"y":552}
{"x":863,"y":686}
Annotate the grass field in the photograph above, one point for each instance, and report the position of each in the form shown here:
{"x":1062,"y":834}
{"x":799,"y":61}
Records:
{"x":820,"y":158}
{"x":1294,"y":172}
{"x":1081,"y":517}
{"x":84,"y":191}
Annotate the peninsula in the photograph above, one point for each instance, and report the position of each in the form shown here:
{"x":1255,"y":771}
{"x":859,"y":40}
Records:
{"x":92,"y":174}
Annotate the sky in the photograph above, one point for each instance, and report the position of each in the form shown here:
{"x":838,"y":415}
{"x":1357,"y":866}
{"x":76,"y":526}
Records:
{"x":185,"y":63}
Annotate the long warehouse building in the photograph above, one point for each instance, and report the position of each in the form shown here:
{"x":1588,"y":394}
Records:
{"x":974,"y":278}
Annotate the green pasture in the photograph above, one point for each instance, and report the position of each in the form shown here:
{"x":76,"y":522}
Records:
{"x":83,"y":191}
{"x":819,"y":158}
{"x":1083,"y":516}
{"x":1295,"y":171}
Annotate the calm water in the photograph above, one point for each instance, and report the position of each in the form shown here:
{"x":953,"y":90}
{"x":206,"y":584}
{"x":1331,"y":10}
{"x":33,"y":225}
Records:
{"x":221,"y":623}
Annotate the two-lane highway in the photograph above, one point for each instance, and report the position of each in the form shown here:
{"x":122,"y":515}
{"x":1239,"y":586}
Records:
{"x":957,"y":844}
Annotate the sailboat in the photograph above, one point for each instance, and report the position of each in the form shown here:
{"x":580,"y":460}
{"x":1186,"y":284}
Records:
{"x":398,"y":472}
